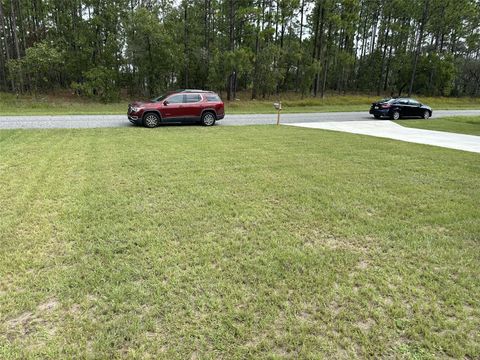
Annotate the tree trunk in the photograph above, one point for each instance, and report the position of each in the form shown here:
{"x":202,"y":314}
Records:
{"x":231,"y":35}
{"x":3,"y":80}
{"x":318,"y":45}
{"x":387,"y":71}
{"x":325,"y":66}
{"x":185,"y":43}
{"x":5,"y":43}
{"x":16,"y":42}
{"x":257,"y":51}
{"x":384,"y":53}
{"x":419,"y":46}
{"x":297,"y":78}
{"x":207,"y":38}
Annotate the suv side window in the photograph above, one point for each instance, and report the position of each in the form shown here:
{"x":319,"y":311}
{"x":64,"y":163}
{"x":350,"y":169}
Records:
{"x":193,"y":98}
{"x":175,"y":99}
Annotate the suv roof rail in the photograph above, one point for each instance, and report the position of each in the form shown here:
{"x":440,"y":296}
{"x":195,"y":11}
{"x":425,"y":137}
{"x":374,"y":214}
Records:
{"x":195,"y":91}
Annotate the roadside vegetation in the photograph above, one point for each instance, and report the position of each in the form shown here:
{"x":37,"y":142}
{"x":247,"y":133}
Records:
{"x":236,"y":242}
{"x":458,"y":124}
{"x":67,"y":104}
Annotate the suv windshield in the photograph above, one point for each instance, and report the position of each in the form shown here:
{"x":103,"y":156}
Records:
{"x":160,"y":98}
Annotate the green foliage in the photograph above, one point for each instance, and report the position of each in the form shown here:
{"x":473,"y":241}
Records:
{"x":42,"y":64}
{"x":99,"y":82}
{"x":216,"y":71}
{"x":152,"y":51}
{"x":435,"y":75}
{"x":267,"y":76}
{"x":149,"y":47}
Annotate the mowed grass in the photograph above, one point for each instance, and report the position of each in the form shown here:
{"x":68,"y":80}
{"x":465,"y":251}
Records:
{"x":292,"y":103}
{"x":12,"y":105}
{"x":236,"y":242}
{"x":67,"y":104}
{"x":458,"y":124}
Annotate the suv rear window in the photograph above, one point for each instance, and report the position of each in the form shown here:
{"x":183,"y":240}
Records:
{"x":193,"y":98}
{"x":213,"y":98}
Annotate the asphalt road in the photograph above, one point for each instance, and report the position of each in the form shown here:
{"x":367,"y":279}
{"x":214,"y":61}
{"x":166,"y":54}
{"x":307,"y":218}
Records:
{"x":102,"y":121}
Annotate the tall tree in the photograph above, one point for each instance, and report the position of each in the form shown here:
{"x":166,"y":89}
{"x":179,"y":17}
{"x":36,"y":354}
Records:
{"x":419,"y":44}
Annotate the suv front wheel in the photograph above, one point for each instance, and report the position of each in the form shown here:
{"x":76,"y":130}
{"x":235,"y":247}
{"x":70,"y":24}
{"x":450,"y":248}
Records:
{"x":151,"y":120}
{"x":208,"y":119}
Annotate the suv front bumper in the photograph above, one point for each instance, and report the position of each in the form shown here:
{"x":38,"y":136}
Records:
{"x":135,"y":119}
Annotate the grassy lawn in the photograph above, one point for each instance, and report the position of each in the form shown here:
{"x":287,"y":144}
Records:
{"x":234,"y":243}
{"x":458,"y":124}
{"x":68,"y":105}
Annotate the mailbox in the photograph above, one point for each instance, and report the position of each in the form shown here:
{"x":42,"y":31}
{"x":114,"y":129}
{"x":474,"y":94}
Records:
{"x":278,"y":107}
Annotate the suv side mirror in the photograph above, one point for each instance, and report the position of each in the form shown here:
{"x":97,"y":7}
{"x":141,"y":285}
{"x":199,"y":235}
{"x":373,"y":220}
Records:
{"x":165,"y":103}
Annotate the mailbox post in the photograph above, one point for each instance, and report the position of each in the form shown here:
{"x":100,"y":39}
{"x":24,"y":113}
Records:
{"x":278,"y":106}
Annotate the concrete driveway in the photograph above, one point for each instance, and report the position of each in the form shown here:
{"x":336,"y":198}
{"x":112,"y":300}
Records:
{"x":390,"y":130}
{"x":97,"y":121}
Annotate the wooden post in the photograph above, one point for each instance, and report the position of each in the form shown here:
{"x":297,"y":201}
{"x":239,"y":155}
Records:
{"x":279,"y":109}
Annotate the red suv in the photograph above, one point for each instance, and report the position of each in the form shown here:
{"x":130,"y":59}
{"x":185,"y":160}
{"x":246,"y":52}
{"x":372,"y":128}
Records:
{"x":183,"y":106}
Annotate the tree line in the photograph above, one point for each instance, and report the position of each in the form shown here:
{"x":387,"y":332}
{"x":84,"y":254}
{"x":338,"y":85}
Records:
{"x":99,"y":48}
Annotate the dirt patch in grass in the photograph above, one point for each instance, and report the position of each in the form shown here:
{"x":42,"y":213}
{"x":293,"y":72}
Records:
{"x":320,"y":239}
{"x":26,"y":323}
{"x":366,"y":325}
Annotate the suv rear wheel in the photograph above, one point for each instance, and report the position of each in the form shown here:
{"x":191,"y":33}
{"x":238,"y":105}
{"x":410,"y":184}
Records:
{"x":151,"y":120}
{"x":208,"y":119}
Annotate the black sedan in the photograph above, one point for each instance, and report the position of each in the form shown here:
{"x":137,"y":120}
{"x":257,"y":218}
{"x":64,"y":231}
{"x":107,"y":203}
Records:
{"x":400,"y":107}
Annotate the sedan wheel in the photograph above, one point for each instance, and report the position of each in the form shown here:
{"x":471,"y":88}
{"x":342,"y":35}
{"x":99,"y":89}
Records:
{"x":151,"y":120}
{"x":396,"y":115}
{"x":426,"y":115}
{"x":208,"y":119}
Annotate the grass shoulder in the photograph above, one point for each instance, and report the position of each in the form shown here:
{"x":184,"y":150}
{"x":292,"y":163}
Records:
{"x":67,"y":104}
{"x":457,"y":124}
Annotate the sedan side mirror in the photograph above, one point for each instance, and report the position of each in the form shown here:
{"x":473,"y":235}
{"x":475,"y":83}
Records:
{"x":165,"y":103}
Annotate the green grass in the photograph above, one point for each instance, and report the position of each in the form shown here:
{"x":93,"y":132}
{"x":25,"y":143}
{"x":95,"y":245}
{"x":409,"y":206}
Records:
{"x":335,"y":103}
{"x":236,"y":242}
{"x":458,"y":124}
{"x":292,"y":103}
